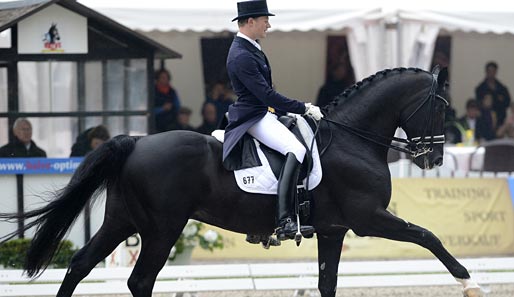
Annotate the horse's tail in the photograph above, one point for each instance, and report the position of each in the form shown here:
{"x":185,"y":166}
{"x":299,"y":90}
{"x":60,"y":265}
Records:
{"x":99,"y":168}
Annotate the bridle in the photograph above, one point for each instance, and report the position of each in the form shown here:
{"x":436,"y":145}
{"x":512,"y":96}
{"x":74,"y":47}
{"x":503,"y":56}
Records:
{"x":415,"y":146}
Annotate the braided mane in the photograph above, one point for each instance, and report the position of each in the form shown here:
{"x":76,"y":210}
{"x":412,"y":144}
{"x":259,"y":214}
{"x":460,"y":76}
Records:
{"x":365,"y":82}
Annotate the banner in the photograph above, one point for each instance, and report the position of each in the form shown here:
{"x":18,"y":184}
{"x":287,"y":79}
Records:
{"x":38,"y":165}
{"x":472,"y":217}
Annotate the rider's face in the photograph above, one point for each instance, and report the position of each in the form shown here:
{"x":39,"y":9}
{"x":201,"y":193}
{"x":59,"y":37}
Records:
{"x":259,"y":26}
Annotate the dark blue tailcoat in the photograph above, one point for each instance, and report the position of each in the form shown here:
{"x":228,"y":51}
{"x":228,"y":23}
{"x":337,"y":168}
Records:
{"x":250,"y":74}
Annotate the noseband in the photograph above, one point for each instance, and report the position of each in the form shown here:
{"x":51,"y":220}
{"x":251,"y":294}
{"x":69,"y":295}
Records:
{"x":415,"y":146}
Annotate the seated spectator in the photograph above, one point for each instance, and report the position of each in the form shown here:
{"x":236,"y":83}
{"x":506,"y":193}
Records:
{"x":486,"y":123}
{"x":22,"y":146}
{"x":507,"y":129}
{"x":166,"y":102}
{"x":456,"y":130}
{"x":183,"y":117}
{"x":209,"y":119}
{"x":219,"y":95}
{"x":89,"y":140}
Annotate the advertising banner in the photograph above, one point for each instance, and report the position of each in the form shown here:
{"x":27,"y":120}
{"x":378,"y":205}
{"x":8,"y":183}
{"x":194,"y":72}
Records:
{"x":39,"y":165}
{"x":472,"y":217}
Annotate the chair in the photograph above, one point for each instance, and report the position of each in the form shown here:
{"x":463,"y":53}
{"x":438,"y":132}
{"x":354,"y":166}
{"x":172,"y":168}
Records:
{"x":498,"y":156}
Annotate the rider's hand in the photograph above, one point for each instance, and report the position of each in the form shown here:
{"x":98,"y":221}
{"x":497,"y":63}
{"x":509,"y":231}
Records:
{"x":313,"y":111}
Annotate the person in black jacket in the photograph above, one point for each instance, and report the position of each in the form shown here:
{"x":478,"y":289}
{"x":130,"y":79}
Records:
{"x":210,"y":122}
{"x":498,"y":91}
{"x":89,"y":140}
{"x":22,"y":146}
{"x":257,"y":109}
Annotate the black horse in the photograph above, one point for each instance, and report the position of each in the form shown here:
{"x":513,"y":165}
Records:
{"x":52,"y":36}
{"x":156,"y":183}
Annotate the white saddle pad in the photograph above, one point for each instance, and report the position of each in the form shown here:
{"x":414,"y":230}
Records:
{"x":261,"y":179}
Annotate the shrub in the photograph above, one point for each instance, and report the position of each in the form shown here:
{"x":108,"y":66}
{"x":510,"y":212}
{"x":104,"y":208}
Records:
{"x":14,"y":252}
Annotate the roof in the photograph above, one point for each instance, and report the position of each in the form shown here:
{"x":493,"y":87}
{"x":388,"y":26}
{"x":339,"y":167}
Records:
{"x":200,"y":20}
{"x":13,"y":12}
{"x":494,"y":16}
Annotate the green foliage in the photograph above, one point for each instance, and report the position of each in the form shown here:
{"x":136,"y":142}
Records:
{"x":13,"y":253}
{"x":192,"y":235}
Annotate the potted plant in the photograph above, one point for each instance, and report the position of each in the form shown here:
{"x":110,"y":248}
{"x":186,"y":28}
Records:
{"x":192,"y":236}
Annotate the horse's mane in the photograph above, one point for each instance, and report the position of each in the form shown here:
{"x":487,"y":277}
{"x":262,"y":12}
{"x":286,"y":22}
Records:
{"x":364,"y":83}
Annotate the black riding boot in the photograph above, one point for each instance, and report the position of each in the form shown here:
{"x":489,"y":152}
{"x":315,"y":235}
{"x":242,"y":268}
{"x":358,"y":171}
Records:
{"x":286,"y":216}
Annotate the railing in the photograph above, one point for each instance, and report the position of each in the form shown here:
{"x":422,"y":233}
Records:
{"x":269,"y":276}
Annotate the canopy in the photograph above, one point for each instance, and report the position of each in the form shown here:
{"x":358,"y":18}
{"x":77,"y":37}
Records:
{"x":381,"y":34}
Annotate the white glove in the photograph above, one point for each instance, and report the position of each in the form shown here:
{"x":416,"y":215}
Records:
{"x":313,"y":111}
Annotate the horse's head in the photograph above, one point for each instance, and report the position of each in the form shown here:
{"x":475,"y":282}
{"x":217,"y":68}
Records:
{"x":424,"y":122}
{"x":53,"y":33}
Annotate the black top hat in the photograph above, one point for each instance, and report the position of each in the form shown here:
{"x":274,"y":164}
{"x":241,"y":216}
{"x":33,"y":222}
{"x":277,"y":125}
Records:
{"x":255,"y":8}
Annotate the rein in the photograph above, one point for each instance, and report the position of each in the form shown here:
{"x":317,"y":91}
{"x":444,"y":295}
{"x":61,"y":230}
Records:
{"x":416,"y":146}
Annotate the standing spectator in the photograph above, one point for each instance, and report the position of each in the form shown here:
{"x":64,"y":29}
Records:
{"x":486,"y":123}
{"x":209,"y":119}
{"x":500,"y":93}
{"x":182,"y":122}
{"x":166,"y":102}
{"x":219,"y":95}
{"x":507,"y":129}
{"x":338,"y":81}
{"x":89,"y":140}
{"x":22,"y":146}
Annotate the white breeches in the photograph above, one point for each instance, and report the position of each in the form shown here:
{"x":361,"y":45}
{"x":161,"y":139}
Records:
{"x":275,"y":135}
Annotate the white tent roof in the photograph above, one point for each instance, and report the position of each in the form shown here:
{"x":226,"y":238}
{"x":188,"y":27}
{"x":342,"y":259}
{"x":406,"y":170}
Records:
{"x":219,"y":20}
{"x":482,"y":22}
{"x":495,"y":16}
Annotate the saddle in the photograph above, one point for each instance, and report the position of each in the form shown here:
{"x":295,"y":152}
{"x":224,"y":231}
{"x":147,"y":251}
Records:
{"x":260,"y":165}
{"x":261,"y":168}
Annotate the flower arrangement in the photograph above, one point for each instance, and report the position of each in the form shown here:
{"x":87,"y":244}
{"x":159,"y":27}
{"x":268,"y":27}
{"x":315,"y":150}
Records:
{"x":192,"y":236}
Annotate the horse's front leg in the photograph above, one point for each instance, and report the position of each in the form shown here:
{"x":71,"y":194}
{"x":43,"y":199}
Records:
{"x":329,"y":252}
{"x":386,"y":225}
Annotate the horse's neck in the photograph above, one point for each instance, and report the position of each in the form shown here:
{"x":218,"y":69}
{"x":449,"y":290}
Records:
{"x":369,"y":110}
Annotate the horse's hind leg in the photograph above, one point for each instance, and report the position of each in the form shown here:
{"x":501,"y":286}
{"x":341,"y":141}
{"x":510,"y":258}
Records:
{"x":386,"y":225}
{"x":155,"y":251}
{"x":115,"y":228}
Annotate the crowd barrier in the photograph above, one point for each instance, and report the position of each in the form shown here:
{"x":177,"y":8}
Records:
{"x":265,"y":277}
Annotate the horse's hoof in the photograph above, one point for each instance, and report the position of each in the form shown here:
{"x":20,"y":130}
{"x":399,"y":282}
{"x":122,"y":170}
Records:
{"x":474,"y":292}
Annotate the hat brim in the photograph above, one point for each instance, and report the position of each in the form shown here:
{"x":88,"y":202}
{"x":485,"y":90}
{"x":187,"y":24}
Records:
{"x":249,"y":15}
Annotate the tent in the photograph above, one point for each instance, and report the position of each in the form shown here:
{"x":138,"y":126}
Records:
{"x":381,"y":34}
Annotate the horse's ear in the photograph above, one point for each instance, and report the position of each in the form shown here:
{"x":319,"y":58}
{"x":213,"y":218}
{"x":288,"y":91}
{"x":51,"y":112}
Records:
{"x":442,"y":78}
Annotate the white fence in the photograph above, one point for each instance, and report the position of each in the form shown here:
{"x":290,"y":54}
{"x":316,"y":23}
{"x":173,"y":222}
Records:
{"x":269,"y":276}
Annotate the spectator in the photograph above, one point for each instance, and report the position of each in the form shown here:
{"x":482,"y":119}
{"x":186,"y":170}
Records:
{"x":166,"y":102}
{"x":89,"y":140}
{"x":507,"y":129}
{"x":486,"y":123}
{"x":22,"y":146}
{"x":338,"y":81}
{"x":219,"y":95}
{"x":458,"y":128}
{"x":182,"y":122}
{"x":500,"y":93}
{"x":209,"y":119}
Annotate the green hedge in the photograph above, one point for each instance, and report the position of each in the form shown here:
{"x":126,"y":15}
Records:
{"x":13,"y":253}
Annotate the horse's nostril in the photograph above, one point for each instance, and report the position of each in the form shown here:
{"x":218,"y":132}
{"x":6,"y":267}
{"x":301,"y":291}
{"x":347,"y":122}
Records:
{"x":438,"y":161}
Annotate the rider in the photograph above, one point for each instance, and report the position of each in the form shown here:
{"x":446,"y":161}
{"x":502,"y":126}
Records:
{"x":257,"y":108}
